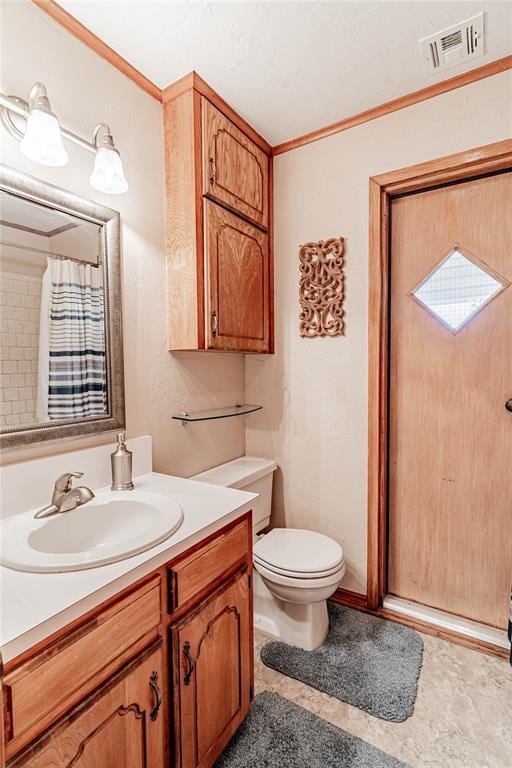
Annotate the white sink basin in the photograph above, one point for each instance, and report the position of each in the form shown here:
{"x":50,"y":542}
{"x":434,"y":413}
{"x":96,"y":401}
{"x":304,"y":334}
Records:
{"x":111,"y":527}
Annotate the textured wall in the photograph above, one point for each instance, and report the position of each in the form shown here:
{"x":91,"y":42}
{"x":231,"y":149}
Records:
{"x":84,"y":90}
{"x":314,"y":391}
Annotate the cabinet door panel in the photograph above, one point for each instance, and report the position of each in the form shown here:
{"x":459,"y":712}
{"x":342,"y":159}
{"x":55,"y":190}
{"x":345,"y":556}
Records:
{"x":235,"y":170}
{"x":114,"y":729}
{"x":238,"y":282}
{"x":213,"y":650}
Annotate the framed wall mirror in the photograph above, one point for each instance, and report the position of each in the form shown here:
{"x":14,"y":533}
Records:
{"x":61,"y":345}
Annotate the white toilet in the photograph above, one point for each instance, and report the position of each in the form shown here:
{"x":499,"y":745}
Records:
{"x":296,"y":571}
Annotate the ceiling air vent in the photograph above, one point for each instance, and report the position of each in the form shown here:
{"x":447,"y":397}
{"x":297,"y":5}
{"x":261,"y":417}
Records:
{"x":454,"y":45}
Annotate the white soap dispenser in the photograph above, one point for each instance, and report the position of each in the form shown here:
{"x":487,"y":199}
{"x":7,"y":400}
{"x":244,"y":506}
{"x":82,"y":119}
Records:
{"x":121,"y":461}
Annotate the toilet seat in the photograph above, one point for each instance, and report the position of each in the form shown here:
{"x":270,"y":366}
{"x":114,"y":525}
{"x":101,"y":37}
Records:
{"x":296,"y":553}
{"x":297,"y":574}
{"x":299,"y":582}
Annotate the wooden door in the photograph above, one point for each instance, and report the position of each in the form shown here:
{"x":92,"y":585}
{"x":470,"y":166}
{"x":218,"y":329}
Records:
{"x":121,"y":726}
{"x":212,"y":673}
{"x":235,"y":170}
{"x":450,"y":452}
{"x":237,"y":267}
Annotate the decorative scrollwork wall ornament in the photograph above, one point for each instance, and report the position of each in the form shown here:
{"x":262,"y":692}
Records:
{"x":321,"y":288}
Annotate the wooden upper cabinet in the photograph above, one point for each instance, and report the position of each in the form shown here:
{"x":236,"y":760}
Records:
{"x":212,"y":674}
{"x":218,"y":190}
{"x":123,"y":724}
{"x":235,"y":170}
{"x":237,"y":278}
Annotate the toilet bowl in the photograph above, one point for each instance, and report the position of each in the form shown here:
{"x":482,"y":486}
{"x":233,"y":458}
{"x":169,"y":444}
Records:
{"x":301,"y":570}
{"x":296,"y":571}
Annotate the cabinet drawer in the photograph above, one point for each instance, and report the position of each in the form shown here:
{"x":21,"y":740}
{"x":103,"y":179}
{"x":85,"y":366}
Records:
{"x":190,"y":576}
{"x":64,"y":672}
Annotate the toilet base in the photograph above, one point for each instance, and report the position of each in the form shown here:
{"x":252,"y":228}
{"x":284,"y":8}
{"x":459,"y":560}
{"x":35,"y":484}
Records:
{"x":305,"y":626}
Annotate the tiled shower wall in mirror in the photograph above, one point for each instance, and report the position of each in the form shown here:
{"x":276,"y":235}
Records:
{"x":20,"y":297}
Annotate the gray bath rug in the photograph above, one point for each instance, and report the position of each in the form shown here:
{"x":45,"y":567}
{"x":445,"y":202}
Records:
{"x":370,"y":663}
{"x":279,"y":734}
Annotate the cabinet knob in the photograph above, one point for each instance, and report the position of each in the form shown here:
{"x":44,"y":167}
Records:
{"x":157,"y":696}
{"x":508,"y":405}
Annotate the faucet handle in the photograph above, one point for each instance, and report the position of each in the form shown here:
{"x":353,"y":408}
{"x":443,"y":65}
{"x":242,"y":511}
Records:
{"x":65,"y":481}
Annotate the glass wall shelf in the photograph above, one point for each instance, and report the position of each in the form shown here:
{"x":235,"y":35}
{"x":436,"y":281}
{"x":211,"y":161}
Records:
{"x":217,"y":413}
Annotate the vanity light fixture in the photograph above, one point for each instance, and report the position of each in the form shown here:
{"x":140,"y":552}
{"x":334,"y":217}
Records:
{"x":108,"y":175}
{"x":40,"y":137}
{"x":42,"y":141}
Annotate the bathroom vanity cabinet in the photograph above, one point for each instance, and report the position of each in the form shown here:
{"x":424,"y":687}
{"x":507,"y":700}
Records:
{"x":219,"y":202}
{"x":161,"y":674}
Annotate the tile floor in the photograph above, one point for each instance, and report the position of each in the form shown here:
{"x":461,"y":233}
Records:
{"x":462,"y":717}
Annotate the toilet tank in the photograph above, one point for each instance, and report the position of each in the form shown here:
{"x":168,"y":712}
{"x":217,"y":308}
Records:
{"x":248,"y":473}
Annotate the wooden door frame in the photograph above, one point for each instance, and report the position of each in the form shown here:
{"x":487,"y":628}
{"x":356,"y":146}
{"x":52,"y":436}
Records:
{"x":383,"y":188}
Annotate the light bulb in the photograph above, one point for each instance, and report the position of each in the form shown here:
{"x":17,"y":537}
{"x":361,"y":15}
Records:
{"x":42,"y":141}
{"x":108,"y":175}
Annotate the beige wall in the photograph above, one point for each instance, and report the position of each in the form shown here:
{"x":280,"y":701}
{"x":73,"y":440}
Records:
{"x":84,"y":90}
{"x":314,"y":391}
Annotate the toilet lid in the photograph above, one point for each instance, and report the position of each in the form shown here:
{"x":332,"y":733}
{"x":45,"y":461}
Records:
{"x":297,"y":574}
{"x":298,"y":581}
{"x":297,"y":551}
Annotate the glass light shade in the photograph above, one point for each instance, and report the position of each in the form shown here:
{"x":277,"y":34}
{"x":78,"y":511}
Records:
{"x":108,"y":174}
{"x":42,"y":141}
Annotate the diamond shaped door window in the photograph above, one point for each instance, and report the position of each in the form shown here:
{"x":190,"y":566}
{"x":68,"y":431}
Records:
{"x":457,"y":289}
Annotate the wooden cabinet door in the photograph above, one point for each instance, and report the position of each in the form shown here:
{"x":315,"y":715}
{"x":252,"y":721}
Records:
{"x":122,"y":725}
{"x":212,"y":673}
{"x":237,"y":267}
{"x":235,"y":169}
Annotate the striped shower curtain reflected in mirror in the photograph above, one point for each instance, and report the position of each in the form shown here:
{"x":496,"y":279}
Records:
{"x":72,"y":368}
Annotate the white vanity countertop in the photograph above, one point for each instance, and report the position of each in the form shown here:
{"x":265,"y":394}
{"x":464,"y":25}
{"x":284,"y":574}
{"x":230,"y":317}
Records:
{"x":34,"y":605}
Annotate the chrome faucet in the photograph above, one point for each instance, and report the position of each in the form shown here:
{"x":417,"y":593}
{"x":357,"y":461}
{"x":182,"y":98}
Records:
{"x":65,"y":497}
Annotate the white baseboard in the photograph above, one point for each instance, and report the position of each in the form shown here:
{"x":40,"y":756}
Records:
{"x":447,"y":621}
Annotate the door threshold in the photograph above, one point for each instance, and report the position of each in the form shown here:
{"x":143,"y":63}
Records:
{"x":471,"y":629}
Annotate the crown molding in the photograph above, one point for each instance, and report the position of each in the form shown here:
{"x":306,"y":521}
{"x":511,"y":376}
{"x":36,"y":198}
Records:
{"x":76,"y":28}
{"x":65,"y":19}
{"x":444,"y":86}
